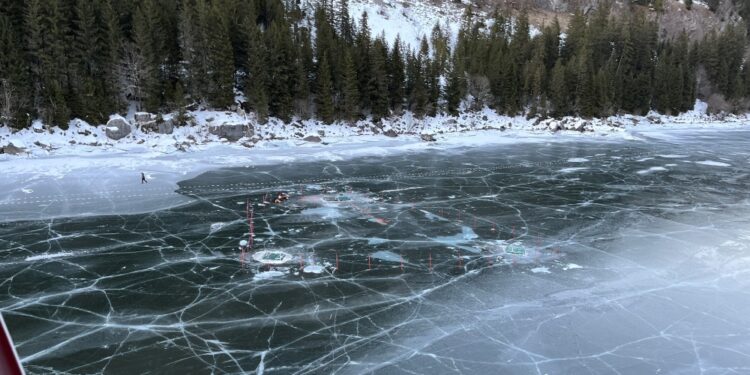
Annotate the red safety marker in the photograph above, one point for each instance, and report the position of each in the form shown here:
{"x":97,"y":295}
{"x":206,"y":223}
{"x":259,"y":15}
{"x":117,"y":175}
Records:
{"x":9,"y":362}
{"x":252,"y":229}
{"x":337,"y":260}
{"x":402,"y":263}
{"x":430,"y":262}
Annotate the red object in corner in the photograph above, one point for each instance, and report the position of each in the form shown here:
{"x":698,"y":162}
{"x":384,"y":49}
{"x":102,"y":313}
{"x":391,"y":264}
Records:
{"x":9,"y":363}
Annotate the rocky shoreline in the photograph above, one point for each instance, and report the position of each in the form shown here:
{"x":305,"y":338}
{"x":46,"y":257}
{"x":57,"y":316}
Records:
{"x":162,"y":132}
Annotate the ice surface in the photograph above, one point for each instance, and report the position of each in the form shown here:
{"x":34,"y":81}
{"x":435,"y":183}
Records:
{"x":620,"y":273}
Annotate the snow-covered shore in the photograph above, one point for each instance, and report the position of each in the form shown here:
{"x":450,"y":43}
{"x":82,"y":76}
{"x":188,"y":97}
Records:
{"x":82,"y":138}
{"x":82,"y":172}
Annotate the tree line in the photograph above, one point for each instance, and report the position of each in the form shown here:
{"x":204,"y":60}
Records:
{"x":64,"y":59}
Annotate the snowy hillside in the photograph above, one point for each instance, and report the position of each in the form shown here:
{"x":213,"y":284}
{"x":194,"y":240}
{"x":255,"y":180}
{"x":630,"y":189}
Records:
{"x":410,"y":20}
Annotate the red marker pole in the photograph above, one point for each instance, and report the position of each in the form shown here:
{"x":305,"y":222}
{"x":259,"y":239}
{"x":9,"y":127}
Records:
{"x":337,"y":260}
{"x":430,"y":263}
{"x":402,"y":263}
{"x":252,"y":229}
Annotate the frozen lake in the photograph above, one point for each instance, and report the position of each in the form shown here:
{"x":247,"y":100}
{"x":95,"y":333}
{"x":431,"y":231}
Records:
{"x":588,"y":256}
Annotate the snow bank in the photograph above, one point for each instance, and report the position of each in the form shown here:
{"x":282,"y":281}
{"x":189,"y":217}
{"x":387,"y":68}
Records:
{"x":83,"y":138}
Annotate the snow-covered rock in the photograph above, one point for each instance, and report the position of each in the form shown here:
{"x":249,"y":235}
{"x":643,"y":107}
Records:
{"x":232,"y":132}
{"x":553,"y":125}
{"x":428,"y":137}
{"x":160,"y":127}
{"x":118,"y":128}
{"x":143,"y":117}
{"x":312,"y":138}
{"x":12,"y":148}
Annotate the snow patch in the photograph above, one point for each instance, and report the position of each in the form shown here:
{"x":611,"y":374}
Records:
{"x":268,"y":275}
{"x":573,"y":169}
{"x":540,"y":270}
{"x":713,"y":163}
{"x":651,"y":170}
{"x":672,"y":156}
{"x":48,"y":256}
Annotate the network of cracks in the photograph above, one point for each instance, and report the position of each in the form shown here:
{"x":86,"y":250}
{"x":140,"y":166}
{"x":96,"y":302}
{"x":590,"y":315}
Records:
{"x":566,"y":262}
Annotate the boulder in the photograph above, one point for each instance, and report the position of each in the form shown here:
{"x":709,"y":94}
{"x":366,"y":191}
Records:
{"x":161,"y":127}
{"x":554,"y":126}
{"x":390,"y":133}
{"x":312,"y":138}
{"x":143,"y":117}
{"x":166,"y":126}
{"x":654,"y":119}
{"x":118,"y":128}
{"x":232,"y":132}
{"x":428,"y":137}
{"x":581,"y":126}
{"x":12,"y":150}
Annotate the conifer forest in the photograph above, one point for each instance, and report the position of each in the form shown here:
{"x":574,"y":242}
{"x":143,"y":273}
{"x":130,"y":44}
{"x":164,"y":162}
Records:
{"x":87,"y":59}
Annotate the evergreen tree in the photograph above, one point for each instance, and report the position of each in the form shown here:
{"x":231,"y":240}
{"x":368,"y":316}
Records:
{"x":350,"y":104}
{"x":256,"y":82}
{"x":111,"y":45}
{"x":396,"y":76}
{"x":585,"y":90}
{"x":416,"y":83}
{"x":362,"y":61}
{"x":453,"y":90}
{"x":220,"y":62}
{"x":15,"y":103}
{"x":192,"y":44}
{"x":535,"y":80}
{"x":147,"y":48}
{"x":324,"y":96}
{"x":575,"y":35}
{"x":47,"y":33}
{"x":559,"y":90}
{"x":280,"y":64}
{"x":378,"y":85}
{"x":441,"y":48}
{"x":345,"y":26}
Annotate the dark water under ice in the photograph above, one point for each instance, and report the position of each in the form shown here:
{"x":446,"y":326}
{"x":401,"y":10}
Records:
{"x":602,"y":257}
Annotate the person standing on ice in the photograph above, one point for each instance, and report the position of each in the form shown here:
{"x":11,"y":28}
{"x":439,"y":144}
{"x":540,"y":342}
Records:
{"x":143,"y":178}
